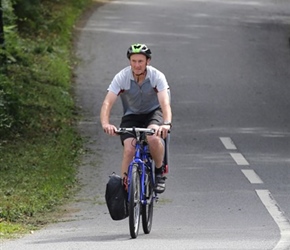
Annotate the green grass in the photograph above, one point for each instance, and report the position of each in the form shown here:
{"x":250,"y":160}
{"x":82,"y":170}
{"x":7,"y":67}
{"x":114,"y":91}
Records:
{"x":40,"y":147}
{"x":9,"y":230}
{"x":42,"y":173}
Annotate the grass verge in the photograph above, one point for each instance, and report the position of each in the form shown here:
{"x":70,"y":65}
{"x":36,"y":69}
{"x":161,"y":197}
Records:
{"x":38,"y":162}
{"x":39,"y":178}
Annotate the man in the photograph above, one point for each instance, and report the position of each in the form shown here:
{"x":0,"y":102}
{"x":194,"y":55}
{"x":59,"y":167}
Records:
{"x":145,"y":97}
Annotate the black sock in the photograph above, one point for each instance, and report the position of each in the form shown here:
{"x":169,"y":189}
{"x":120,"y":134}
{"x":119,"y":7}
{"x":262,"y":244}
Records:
{"x":158,"y":170}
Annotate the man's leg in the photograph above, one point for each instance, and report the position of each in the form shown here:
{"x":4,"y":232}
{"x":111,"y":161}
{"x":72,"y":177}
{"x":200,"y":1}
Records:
{"x":157,"y":150}
{"x":128,"y":154}
{"x":156,"y":147}
{"x":128,"y":141}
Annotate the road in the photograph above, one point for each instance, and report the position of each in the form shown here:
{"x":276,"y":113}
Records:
{"x":227,"y":62}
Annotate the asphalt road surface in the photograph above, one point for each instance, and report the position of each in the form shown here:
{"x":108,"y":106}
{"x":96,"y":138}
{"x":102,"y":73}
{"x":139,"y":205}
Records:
{"x":227,"y":62}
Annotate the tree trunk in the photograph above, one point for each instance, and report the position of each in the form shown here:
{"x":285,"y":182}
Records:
{"x":2,"y":42}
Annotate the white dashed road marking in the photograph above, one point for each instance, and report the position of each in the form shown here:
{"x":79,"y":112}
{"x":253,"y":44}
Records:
{"x":228,"y":143}
{"x":278,"y":215}
{"x":239,"y":159}
{"x":265,"y":196}
{"x":252,"y":176}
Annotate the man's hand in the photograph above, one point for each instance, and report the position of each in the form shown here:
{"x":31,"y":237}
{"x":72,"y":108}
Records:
{"x":163,"y":131}
{"x":109,"y":129}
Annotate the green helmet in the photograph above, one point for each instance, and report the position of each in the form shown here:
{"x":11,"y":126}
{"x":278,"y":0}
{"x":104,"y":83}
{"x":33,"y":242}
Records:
{"x":139,"y":48}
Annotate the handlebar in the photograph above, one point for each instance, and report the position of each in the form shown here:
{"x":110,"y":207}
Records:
{"x":148,"y":131}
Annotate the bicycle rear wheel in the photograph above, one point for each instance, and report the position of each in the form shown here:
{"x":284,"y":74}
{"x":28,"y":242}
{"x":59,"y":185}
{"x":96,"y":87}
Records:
{"x":134,"y":202}
{"x":147,"y":209}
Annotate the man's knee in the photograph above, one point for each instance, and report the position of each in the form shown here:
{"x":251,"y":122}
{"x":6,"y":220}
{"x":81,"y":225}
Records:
{"x":155,"y":141}
{"x":129,"y":148}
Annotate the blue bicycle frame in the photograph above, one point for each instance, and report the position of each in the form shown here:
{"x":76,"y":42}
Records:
{"x":144,"y":161}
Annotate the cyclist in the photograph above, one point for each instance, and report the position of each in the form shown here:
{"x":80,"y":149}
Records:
{"x":145,"y":98}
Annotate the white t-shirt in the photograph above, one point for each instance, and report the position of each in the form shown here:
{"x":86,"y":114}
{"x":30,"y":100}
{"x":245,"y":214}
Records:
{"x":138,"y":99}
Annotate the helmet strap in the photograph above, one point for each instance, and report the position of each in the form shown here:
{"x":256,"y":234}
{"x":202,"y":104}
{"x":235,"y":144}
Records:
{"x":139,"y":75}
{"x":143,"y":73}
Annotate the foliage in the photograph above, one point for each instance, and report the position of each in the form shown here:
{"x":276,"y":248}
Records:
{"x":36,"y":65}
{"x":41,"y":16}
{"x":39,"y":145}
{"x":8,"y":15}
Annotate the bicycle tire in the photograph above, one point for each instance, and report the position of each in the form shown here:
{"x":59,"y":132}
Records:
{"x":134,"y":202}
{"x":147,"y":209}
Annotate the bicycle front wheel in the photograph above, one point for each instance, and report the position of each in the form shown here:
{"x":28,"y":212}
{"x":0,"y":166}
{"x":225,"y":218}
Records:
{"x":134,"y":202}
{"x":147,"y":209}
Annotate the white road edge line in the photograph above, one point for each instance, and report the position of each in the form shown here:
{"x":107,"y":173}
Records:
{"x":252,"y":176}
{"x":228,"y":143}
{"x":279,"y":217}
{"x":239,"y":159}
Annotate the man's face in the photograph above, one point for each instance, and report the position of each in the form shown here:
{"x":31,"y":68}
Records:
{"x":138,"y":63}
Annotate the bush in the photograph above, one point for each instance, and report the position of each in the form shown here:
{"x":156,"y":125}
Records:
{"x":38,"y":140}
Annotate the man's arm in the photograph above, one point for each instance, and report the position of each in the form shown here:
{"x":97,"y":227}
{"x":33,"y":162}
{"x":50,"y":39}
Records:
{"x":164,"y":101}
{"x":108,"y":103}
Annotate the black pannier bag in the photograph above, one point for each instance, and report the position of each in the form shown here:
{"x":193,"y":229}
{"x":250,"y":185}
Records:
{"x":116,"y":198}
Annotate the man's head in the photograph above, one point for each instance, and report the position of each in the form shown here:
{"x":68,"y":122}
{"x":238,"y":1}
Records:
{"x":139,"y":48}
{"x":139,"y":56}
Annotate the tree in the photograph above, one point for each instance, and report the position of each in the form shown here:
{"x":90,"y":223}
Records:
{"x":1,"y":26}
{"x":2,"y":41}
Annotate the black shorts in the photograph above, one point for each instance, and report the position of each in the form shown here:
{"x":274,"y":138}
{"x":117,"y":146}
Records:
{"x":140,"y":121}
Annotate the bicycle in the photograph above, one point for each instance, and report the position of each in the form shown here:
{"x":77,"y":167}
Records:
{"x":141,"y":181}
